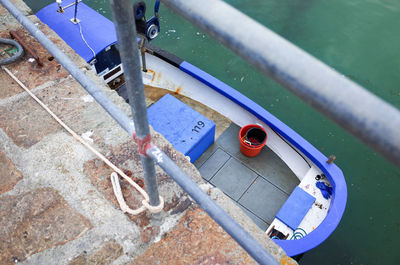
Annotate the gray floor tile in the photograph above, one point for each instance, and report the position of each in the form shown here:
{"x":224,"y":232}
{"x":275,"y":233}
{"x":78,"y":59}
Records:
{"x":263,"y":199}
{"x":233,"y":178}
{"x":258,"y":221}
{"x":273,"y":169}
{"x":267,"y":163}
{"x":229,"y":140}
{"x":204,"y":157}
{"x":213,"y":164}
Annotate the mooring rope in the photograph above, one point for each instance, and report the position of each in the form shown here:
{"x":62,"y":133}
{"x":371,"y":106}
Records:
{"x":114,"y":177}
{"x":16,"y":56}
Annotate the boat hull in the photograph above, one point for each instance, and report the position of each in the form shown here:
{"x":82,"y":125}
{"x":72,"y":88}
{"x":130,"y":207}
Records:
{"x":188,"y":80}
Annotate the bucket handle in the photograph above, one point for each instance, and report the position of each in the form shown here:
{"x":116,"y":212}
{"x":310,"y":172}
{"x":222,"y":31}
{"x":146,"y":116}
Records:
{"x":247,"y":142}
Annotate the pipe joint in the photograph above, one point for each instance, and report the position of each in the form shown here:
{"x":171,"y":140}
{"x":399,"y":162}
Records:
{"x":143,"y":144}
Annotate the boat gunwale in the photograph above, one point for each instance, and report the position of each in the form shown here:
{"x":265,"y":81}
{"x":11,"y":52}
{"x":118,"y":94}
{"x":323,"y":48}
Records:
{"x":332,"y":172}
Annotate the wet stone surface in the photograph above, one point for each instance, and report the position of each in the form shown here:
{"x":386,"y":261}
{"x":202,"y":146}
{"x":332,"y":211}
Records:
{"x":27,"y":70}
{"x":104,"y":256}
{"x":9,"y":175}
{"x":22,"y":127}
{"x":63,"y":98}
{"x":8,"y":87}
{"x":197,"y":239}
{"x":149,"y":233}
{"x":35,"y":221}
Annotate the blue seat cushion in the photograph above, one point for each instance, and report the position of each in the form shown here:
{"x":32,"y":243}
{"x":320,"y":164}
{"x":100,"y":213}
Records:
{"x":295,"y":208}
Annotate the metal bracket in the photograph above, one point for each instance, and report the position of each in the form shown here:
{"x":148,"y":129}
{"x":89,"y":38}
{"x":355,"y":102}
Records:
{"x":75,"y":21}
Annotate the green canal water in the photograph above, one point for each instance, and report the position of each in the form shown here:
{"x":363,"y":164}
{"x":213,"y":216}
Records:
{"x":359,"y":38}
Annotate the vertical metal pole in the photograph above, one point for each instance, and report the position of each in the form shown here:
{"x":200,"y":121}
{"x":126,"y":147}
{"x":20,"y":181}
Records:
{"x":128,"y":48}
{"x":143,"y":53}
{"x":76,"y":9}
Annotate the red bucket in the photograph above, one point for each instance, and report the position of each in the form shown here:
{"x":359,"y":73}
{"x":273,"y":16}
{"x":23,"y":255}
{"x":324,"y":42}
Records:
{"x":252,"y":139}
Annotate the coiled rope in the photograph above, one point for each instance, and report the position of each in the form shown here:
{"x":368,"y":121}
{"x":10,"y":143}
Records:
{"x":16,"y":56}
{"x":298,"y":234}
{"x":114,"y":177}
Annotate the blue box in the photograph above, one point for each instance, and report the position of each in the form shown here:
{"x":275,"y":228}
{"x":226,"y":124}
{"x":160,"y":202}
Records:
{"x":187,"y":130}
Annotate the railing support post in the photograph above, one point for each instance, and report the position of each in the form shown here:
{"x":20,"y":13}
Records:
{"x":128,"y":48}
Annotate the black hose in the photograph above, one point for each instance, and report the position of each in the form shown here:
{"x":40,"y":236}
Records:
{"x":16,"y":56}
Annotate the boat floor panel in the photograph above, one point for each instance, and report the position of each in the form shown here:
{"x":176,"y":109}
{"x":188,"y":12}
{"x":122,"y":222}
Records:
{"x":263,"y":199}
{"x":257,"y":220}
{"x":233,"y":178}
{"x":214,"y":163}
{"x":260,"y":185}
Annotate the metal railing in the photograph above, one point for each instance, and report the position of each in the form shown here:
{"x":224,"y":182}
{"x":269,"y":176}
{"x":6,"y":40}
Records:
{"x":126,"y":34}
{"x":360,"y":112}
{"x":140,"y":131}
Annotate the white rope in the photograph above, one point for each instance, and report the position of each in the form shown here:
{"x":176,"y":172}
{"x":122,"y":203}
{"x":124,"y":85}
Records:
{"x":84,"y":40}
{"x":114,"y":176}
{"x":124,"y":207}
{"x":118,"y":194}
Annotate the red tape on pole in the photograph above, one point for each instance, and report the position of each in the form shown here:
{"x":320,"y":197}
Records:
{"x":143,"y":144}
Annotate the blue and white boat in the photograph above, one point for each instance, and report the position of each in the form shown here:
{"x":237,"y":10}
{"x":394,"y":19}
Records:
{"x":289,"y":189}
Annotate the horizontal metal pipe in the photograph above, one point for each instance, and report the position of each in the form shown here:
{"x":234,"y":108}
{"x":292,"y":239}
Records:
{"x":363,"y":114}
{"x":246,"y":241}
{"x":123,"y":120}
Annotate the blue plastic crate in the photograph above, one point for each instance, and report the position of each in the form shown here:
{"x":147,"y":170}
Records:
{"x":187,"y":130}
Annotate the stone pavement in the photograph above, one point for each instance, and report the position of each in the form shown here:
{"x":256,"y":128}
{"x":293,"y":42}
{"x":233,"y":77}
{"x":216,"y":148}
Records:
{"x":56,"y":199}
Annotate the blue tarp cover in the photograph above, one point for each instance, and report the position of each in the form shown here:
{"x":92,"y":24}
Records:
{"x":98,"y":31}
{"x":295,"y":208}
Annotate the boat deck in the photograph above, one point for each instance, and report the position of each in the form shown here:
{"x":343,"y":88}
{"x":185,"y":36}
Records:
{"x":259,"y":185}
